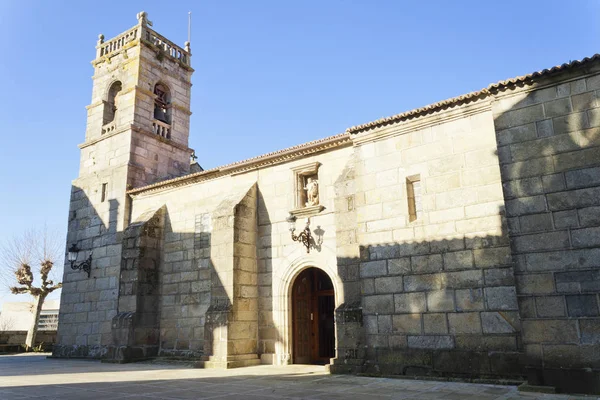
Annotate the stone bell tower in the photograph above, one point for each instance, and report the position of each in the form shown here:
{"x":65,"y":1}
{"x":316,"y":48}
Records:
{"x":137,"y":134}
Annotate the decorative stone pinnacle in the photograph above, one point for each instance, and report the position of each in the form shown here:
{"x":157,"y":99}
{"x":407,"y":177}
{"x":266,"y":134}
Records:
{"x":187,"y":47}
{"x":142,"y":18}
{"x":100,"y":38}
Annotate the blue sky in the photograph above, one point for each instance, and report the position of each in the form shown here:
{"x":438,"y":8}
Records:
{"x":269,"y":74}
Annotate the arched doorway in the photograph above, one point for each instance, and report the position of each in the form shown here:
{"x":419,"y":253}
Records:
{"x":313,"y":330}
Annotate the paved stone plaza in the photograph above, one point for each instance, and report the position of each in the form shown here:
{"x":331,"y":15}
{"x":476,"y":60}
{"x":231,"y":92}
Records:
{"x":36,"y":377}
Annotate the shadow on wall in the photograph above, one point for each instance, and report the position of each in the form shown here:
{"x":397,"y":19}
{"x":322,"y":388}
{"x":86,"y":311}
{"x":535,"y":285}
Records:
{"x":88,"y":305}
{"x":548,"y":142}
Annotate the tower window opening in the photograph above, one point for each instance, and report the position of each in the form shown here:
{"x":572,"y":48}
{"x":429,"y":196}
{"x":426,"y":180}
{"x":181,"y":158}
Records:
{"x":111,"y":104}
{"x":162,"y":103}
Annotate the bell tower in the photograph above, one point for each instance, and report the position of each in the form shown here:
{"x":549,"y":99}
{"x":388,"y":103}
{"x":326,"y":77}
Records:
{"x":137,"y":134}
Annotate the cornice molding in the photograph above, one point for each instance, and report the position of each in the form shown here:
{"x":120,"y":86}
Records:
{"x":252,"y":164}
{"x":420,"y":122}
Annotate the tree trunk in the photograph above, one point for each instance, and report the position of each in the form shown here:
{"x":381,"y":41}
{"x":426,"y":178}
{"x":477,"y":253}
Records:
{"x":37,"y":309}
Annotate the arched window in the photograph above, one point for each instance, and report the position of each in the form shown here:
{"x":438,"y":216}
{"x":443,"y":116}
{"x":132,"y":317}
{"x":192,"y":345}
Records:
{"x":111,"y":106}
{"x":162,"y":103}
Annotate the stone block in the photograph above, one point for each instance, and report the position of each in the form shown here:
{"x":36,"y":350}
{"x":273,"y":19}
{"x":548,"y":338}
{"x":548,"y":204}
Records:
{"x":581,"y":178}
{"x":462,"y":362}
{"x":527,"y":307}
{"x":458,"y":260}
{"x":440,"y":300}
{"x":586,"y":237}
{"x":407,"y":323}
{"x":566,"y":219}
{"x":582,"y":305}
{"x":544,"y":128}
{"x":585,"y":101}
{"x":517,"y":134}
{"x":501,"y":298}
{"x":570,"y":123}
{"x":563,"y":260}
{"x":469,"y":299}
{"x":499,"y":277}
{"x":578,"y":281}
{"x":370,"y":324}
{"x":518,"y":117}
{"x":438,"y":342}
{"x":535,"y":284}
{"x":486,"y":343}
{"x":492,"y":257}
{"x":410,"y":302}
{"x":590,"y":331}
{"x":373,"y":269}
{"x":426,"y":263}
{"x":388,"y":284}
{"x":565,"y":357}
{"x":542,"y":241}
{"x":415,"y":283}
{"x":435,"y":323}
{"x":523,"y":187}
{"x":536,"y":223}
{"x":550,"y":331}
{"x":384,"y":323}
{"x":497,"y":322}
{"x":468,"y":322}
{"x":553,"y":183}
{"x":381,"y":304}
{"x":589,"y":216}
{"x":550,"y":306}
{"x":463,"y":279}
{"x":525,"y":205}
{"x":367,"y":286}
{"x":399,"y":266}
{"x":557,"y":107}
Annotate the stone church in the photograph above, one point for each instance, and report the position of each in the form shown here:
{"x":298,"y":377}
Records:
{"x":461,"y":239}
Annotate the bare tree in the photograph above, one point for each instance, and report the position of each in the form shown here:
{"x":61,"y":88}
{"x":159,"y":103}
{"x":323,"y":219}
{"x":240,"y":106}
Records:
{"x":17,"y":257}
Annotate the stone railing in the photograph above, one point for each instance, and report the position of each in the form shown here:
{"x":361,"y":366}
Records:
{"x":161,"y":129}
{"x":109,"y":128}
{"x":167,"y":46}
{"x":116,"y":44}
{"x":142,"y":32}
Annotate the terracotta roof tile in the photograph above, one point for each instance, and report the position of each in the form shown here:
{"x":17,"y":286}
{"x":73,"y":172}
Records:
{"x":466,"y":98}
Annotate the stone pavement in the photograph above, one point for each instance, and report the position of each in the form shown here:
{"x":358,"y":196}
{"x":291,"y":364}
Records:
{"x":32,"y":376}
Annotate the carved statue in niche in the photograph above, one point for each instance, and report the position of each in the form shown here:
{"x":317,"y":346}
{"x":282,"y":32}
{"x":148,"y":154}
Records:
{"x":312,"y":191}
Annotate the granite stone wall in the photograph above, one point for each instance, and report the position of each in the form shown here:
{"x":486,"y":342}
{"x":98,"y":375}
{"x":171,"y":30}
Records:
{"x":548,"y":137}
{"x":438,"y":292}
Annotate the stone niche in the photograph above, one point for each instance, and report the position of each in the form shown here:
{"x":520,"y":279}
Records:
{"x":306,"y":190}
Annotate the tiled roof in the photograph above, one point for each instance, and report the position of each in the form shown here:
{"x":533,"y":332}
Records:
{"x":466,"y":98}
{"x":343,"y":138}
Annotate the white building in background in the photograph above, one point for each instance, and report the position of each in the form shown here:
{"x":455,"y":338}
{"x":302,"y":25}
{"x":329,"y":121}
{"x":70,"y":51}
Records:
{"x":17,"y":316}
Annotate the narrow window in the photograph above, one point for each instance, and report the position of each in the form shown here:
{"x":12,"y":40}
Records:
{"x":413,"y":190}
{"x":103,"y":196}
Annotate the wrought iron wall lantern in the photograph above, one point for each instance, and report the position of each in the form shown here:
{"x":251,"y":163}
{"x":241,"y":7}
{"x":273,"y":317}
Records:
{"x":304,"y":237}
{"x":85,"y":266}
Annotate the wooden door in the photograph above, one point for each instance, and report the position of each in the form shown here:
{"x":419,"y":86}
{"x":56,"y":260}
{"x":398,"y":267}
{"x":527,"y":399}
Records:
{"x":302,"y":324}
{"x":313,"y":318}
